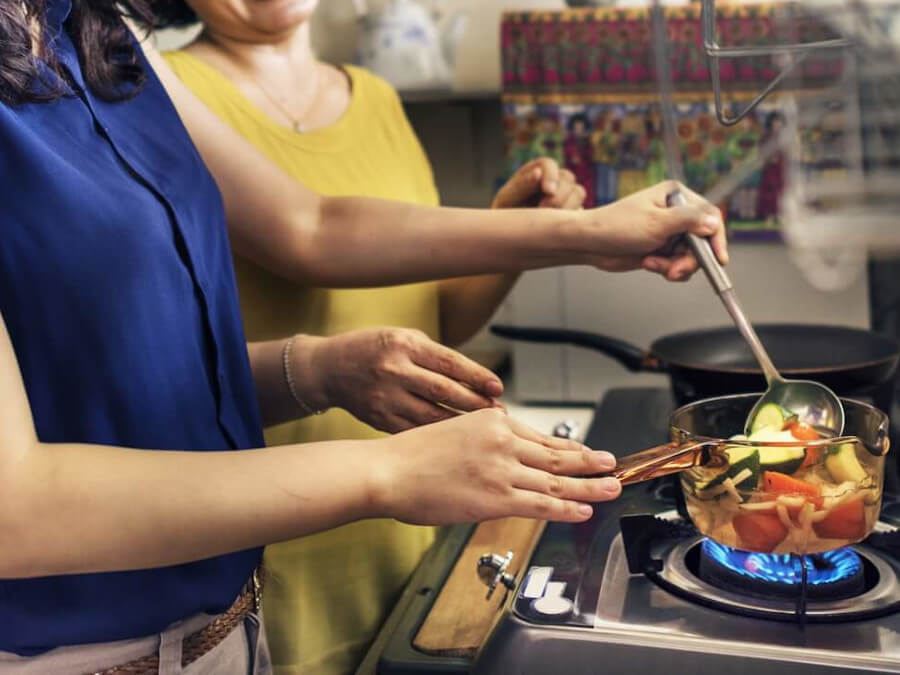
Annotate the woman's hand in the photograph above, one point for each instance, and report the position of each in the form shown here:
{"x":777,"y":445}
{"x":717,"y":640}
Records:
{"x":638,"y":231}
{"x":485,"y":465}
{"x":397,"y":378}
{"x":540,"y":182}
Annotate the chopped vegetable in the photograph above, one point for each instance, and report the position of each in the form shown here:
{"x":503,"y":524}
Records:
{"x":782,"y":493}
{"x":847,"y":520}
{"x":781,"y":460}
{"x":783,"y":515}
{"x":843,"y":465}
{"x":792,"y":494}
{"x":770,"y":415}
{"x":758,"y":506}
{"x":784,"y":459}
{"x":729,"y":486}
{"x":793,"y":505}
{"x":782,"y":484}
{"x":759,"y":531}
{"x":803,"y":432}
{"x":743,"y":464}
{"x":813,"y":456}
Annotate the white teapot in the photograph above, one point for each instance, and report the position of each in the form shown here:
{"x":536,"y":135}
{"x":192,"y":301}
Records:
{"x":401,"y":43}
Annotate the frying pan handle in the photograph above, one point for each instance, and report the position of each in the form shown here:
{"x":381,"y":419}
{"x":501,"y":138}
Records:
{"x":633,"y":358}
{"x":666,"y":459}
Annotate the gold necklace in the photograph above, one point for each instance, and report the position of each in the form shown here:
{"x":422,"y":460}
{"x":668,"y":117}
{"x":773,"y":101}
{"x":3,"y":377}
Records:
{"x":296,"y":122}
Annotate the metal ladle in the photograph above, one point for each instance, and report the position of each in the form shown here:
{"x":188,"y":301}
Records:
{"x":813,"y":403}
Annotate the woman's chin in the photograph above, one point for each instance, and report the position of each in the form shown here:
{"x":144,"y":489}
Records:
{"x":280,"y":16}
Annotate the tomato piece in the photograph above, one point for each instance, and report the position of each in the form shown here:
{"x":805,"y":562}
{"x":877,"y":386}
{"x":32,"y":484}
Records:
{"x":813,"y":456}
{"x":782,"y":484}
{"x":759,"y":532}
{"x":776,"y":484}
{"x":803,"y":432}
{"x":846,"y":521}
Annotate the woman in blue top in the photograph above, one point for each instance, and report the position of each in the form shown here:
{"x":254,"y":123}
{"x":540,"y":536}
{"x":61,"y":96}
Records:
{"x":126,"y":517}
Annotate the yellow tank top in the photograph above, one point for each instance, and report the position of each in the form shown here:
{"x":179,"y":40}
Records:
{"x":327,"y":594}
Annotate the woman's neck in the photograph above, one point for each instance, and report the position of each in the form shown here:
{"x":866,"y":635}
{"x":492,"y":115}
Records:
{"x":281,"y":76}
{"x":290,"y":54}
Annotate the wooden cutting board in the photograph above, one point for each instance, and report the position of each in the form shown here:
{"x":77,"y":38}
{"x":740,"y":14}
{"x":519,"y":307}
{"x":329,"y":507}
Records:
{"x":461,"y":617}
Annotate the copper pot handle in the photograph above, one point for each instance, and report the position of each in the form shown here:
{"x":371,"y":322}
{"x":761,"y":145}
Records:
{"x":666,"y":459}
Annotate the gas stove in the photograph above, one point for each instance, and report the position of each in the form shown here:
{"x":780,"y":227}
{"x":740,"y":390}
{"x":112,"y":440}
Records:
{"x":651,"y":596}
{"x":636,"y":590}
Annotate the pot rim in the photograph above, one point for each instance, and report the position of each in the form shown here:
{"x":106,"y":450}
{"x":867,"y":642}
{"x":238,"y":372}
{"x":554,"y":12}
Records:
{"x":883,"y":425}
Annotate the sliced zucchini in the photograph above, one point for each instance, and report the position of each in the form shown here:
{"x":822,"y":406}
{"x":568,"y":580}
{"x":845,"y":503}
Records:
{"x":843,"y":464}
{"x":740,"y":459}
{"x":770,"y":415}
{"x":783,"y":460}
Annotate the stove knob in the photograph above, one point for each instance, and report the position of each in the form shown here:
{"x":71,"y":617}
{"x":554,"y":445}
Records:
{"x":567,"y":429}
{"x":552,"y":608}
{"x":492,"y":571}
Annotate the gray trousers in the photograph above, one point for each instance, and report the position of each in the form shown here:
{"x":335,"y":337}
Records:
{"x":243,"y":652}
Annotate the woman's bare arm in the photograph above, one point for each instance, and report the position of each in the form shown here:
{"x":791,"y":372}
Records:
{"x":69,"y":508}
{"x":468,"y":303}
{"x":292,"y":231}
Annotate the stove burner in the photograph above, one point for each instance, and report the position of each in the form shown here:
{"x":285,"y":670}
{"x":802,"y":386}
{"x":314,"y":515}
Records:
{"x":832,"y":575}
{"x":680,"y":574}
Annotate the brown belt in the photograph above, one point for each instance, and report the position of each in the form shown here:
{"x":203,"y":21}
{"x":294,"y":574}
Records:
{"x":204,"y":640}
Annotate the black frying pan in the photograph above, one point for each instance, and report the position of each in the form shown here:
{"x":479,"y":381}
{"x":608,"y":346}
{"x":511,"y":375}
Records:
{"x":715,"y":362}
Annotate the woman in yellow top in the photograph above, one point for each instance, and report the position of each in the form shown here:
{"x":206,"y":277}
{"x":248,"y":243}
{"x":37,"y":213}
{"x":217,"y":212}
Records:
{"x":339,"y":131}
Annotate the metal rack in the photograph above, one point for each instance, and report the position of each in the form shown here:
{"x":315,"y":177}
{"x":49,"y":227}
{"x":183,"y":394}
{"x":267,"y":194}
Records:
{"x":840,"y":204}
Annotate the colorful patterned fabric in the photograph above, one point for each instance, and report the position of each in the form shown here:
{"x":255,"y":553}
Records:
{"x":580,"y":86}
{"x":609,"y":51}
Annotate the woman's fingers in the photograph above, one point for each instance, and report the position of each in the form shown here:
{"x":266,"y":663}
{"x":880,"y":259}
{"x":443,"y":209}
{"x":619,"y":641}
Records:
{"x":682,"y":267}
{"x":576,"y":198}
{"x":564,"y":457}
{"x":394,"y":424}
{"x":718,"y":239}
{"x":565,"y":487}
{"x":529,"y":504}
{"x":569,"y":197}
{"x":435,"y":388}
{"x":417,"y":411}
{"x":453,"y":365}
{"x":550,"y":174}
{"x":699,"y":200}
{"x":697,"y":216}
{"x":558,"y":455}
{"x":538,"y":179}
{"x":569,"y":194}
{"x":719,"y":242}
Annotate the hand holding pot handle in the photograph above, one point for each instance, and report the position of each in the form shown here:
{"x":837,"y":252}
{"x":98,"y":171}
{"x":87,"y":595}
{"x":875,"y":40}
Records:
{"x":669,"y":458}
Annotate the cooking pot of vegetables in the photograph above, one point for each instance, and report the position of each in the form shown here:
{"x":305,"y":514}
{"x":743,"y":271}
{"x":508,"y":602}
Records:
{"x":785,"y":488}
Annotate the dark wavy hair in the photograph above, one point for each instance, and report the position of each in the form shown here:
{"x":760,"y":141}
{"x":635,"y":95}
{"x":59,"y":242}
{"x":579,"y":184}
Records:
{"x":106,"y":50}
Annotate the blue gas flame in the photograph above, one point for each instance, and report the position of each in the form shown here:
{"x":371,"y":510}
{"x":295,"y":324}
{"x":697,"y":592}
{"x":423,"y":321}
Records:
{"x":828,"y":567}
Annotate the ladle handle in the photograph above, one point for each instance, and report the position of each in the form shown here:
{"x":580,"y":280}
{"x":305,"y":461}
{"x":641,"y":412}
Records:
{"x":666,"y":459}
{"x":719,"y":280}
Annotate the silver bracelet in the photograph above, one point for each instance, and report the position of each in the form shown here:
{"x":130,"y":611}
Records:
{"x":289,"y":379}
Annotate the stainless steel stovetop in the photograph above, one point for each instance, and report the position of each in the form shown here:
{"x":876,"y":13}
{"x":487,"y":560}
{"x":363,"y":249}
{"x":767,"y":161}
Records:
{"x":601,"y":617}
{"x":586,"y":604}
